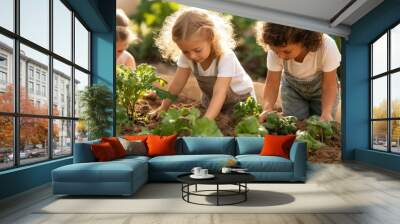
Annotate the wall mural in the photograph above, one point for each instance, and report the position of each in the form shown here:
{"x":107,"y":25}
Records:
{"x":193,"y":72}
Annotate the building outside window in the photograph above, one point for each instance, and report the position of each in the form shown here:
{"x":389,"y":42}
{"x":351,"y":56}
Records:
{"x":35,"y":70}
{"x":3,"y":71}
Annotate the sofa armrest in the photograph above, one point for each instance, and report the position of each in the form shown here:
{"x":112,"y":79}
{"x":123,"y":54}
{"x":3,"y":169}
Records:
{"x":298,"y":155}
{"x":83,"y":152}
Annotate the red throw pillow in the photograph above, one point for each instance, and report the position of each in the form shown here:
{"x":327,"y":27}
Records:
{"x":103,"y":151}
{"x":277,"y":145}
{"x":161,"y":145}
{"x":116,"y":145}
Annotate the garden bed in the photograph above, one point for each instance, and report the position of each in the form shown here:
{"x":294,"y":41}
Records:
{"x":331,"y":153}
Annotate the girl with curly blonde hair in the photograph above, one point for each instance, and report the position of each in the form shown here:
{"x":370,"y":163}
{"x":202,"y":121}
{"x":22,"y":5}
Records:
{"x":306,"y":61}
{"x":201,"y":42}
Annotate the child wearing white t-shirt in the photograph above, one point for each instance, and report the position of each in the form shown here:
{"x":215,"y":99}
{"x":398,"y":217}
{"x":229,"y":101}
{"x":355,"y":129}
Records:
{"x":202,"y":44}
{"x":303,"y":64}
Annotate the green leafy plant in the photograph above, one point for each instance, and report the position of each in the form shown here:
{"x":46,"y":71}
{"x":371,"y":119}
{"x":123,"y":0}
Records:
{"x":250,"y":126}
{"x":250,"y":107}
{"x":132,"y":85}
{"x":320,"y":130}
{"x":147,"y":22}
{"x":279,"y":125}
{"x":185,"y":122}
{"x":312,"y":143}
{"x":97,"y":104}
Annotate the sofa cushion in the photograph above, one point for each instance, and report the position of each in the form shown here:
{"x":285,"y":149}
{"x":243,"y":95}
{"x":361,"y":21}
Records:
{"x":116,"y":145}
{"x":206,"y":145}
{"x":112,"y":171}
{"x":185,"y":163}
{"x":249,"y":145}
{"x":135,"y":147}
{"x":161,"y":145}
{"x":103,"y":152}
{"x":277,"y":145}
{"x":257,"y":163}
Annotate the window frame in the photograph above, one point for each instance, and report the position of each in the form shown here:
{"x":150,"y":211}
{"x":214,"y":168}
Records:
{"x":16,"y":114}
{"x":388,"y":74}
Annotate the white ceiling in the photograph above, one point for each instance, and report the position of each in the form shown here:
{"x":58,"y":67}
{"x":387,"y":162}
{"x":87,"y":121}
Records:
{"x":318,"y":15}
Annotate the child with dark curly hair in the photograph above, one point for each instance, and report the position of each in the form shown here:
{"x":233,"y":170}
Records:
{"x":303,"y":64}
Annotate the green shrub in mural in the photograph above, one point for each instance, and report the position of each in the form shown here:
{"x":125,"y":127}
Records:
{"x":185,"y":122}
{"x":132,"y":85}
{"x":250,"y":126}
{"x":280,"y":125}
{"x":312,"y":143}
{"x":250,"y":107}
{"x":147,"y":22}
{"x":320,"y":130}
{"x":97,"y":104}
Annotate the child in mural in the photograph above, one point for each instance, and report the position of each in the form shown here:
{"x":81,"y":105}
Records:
{"x":303,"y":65}
{"x":124,"y":37}
{"x":201,"y":42}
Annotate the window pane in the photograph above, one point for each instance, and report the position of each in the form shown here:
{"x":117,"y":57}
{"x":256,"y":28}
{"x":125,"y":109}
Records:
{"x":379,"y":97}
{"x":395,"y":94}
{"x":395,"y":47}
{"x":379,"y":55}
{"x":6,"y":142}
{"x":81,"y":45}
{"x":62,"y":89}
{"x":7,"y":14}
{"x":34,"y":97}
{"x":81,"y":131}
{"x":62,"y":141}
{"x":379,"y":135}
{"x":62,"y":29}
{"x":81,"y":81}
{"x":395,"y":138}
{"x":33,"y":139}
{"x":6,"y":74}
{"x":35,"y":21}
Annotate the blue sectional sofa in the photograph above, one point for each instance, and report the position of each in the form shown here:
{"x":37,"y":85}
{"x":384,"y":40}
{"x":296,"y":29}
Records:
{"x":125,"y":176}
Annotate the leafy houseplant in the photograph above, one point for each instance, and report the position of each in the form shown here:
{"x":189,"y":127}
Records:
{"x":97,"y":104}
{"x":186,"y":122}
{"x":132,"y":85}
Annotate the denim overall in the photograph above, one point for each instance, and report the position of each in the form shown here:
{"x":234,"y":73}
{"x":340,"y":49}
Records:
{"x":206,"y":84}
{"x":302,"y":98}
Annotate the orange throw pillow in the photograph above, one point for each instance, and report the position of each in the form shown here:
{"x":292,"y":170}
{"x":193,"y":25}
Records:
{"x":116,"y":145}
{"x":161,"y":145}
{"x":277,"y":145}
{"x":103,"y":151}
{"x":136,"y":137}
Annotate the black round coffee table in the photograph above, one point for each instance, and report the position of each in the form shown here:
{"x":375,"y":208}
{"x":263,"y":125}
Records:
{"x":238,"y":179}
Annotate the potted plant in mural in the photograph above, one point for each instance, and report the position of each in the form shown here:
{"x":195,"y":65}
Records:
{"x":97,"y":104}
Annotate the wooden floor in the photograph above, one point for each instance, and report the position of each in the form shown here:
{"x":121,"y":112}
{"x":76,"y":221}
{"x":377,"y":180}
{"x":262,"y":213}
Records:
{"x":353,"y":182}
